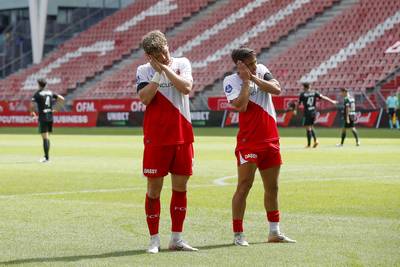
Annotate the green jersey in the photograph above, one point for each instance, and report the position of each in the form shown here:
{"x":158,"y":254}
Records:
{"x":350,"y":105}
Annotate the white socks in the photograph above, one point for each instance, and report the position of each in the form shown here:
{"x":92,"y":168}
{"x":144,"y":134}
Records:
{"x":175,"y":236}
{"x":274,"y":228}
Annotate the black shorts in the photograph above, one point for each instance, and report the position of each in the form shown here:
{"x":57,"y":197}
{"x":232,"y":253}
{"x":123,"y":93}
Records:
{"x":349,"y":125}
{"x":351,"y":122}
{"x":309,"y":119}
{"x":391,"y":112}
{"x":45,"y":126}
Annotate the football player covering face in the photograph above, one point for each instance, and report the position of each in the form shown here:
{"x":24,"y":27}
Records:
{"x":160,"y":57}
{"x":163,"y":85}
{"x":249,"y":91}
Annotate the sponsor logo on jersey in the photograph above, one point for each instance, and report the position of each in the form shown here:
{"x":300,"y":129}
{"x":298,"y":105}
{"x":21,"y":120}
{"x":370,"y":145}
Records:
{"x":45,"y":93}
{"x":150,"y":171}
{"x":250,"y":156}
{"x":164,"y":85}
{"x":228,"y":88}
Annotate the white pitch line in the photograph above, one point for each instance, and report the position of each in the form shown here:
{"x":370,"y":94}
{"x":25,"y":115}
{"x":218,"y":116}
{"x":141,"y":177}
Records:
{"x":96,"y":191}
{"x":74,"y":192}
{"x":221,"y":181}
{"x":216,"y":183}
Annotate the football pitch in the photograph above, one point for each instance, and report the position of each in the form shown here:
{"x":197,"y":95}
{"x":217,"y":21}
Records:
{"x":86,"y":207}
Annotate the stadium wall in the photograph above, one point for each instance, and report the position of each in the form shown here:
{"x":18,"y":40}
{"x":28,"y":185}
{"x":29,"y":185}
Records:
{"x":130,"y":112}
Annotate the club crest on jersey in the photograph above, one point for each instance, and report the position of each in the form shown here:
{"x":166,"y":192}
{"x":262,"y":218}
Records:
{"x":228,"y":88}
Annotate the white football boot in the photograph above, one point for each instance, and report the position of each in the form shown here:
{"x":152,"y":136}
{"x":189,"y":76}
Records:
{"x":240,"y":240}
{"x":44,"y":160}
{"x":279,"y":238}
{"x":180,"y":245}
{"x":154,"y":246}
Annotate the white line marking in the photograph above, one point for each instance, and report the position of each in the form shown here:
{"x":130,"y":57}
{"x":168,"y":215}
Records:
{"x":221,"y":181}
{"x":73,"y":192}
{"x":216,"y":183}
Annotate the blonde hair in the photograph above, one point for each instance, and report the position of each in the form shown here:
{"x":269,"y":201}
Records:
{"x":154,"y":42}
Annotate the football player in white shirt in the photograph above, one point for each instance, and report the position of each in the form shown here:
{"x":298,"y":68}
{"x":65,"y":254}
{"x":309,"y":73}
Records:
{"x":163,"y":86}
{"x":249,"y":91}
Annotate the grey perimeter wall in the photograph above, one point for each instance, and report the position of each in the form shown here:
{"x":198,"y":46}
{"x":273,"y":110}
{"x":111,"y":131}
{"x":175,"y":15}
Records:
{"x":54,"y":4}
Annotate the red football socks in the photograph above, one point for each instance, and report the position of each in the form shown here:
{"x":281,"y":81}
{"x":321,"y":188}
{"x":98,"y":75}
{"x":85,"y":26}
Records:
{"x":273,"y":216}
{"x":152,"y":208}
{"x":178,"y":210}
{"x":237,"y":225}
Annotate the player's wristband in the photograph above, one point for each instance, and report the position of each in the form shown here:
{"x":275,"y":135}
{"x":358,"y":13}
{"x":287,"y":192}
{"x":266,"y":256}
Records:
{"x":156,"y":78}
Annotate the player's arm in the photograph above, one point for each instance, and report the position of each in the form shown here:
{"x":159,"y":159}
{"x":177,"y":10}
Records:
{"x":334,"y":102}
{"x":32,"y":109}
{"x":59,"y":103}
{"x":181,"y":84}
{"x":268,"y":84}
{"x":346,"y":110}
{"x":292,"y":107}
{"x":240,"y":103}
{"x":148,"y":90}
{"x":300,"y":102}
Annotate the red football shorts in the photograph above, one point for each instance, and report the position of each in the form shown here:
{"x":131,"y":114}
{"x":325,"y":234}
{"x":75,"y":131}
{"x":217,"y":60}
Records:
{"x":264,"y":159}
{"x":176,"y":159}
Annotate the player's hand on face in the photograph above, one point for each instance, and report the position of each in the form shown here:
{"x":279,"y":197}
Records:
{"x":157,"y":66}
{"x":243,"y":70}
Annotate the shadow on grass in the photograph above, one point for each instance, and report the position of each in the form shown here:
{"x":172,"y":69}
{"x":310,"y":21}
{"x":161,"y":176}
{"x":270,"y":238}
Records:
{"x":99,"y":256}
{"x":75,"y":258}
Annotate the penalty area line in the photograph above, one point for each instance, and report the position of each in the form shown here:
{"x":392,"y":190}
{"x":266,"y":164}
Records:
{"x":216,"y":182}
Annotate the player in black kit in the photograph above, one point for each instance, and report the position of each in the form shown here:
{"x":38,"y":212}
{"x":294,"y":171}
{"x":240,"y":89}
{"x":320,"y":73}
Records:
{"x":44,"y":100}
{"x":308,"y":99}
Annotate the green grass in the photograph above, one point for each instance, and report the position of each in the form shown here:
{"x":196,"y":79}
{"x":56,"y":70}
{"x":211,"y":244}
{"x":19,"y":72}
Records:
{"x":85,"y":208}
{"x":206,"y":131}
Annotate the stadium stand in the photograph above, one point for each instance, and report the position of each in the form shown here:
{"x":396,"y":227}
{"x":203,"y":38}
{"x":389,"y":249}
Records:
{"x":99,"y":47}
{"x":392,"y":85}
{"x":208,"y":43}
{"x":347,"y":52}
